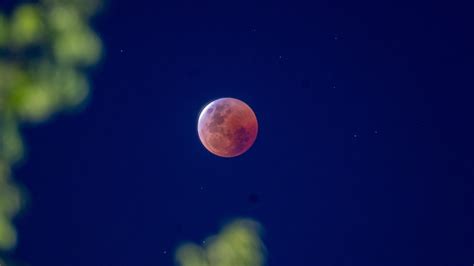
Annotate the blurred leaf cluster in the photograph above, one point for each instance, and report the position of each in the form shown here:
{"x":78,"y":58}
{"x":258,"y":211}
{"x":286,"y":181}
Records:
{"x":46,"y":49}
{"x":238,"y":244}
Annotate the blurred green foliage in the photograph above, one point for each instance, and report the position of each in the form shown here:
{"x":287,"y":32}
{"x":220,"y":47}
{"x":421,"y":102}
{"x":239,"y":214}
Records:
{"x":46,"y":48}
{"x":238,"y":244}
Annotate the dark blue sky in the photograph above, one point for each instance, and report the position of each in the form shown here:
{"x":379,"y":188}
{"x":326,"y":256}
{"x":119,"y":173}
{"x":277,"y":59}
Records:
{"x":364,"y":155}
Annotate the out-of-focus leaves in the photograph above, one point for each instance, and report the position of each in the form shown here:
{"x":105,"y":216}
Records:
{"x":49,"y":89}
{"x":27,"y":26}
{"x":64,"y":18}
{"x":72,"y":86}
{"x":4,"y":171}
{"x":12,"y":76}
{"x":45,"y":48}
{"x":10,"y":201}
{"x":191,"y":255}
{"x":80,"y":47}
{"x":34,"y":102}
{"x":84,"y":7}
{"x":238,"y":244}
{"x":3,"y":30}
{"x":11,"y":144}
{"x":8,"y":239}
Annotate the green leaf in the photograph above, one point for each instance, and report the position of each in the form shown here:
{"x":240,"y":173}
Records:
{"x":27,"y":26}
{"x":8,"y":236}
{"x":81,"y":47}
{"x":3,"y":31}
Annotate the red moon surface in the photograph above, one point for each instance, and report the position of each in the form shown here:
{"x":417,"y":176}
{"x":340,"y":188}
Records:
{"x":227,"y":127}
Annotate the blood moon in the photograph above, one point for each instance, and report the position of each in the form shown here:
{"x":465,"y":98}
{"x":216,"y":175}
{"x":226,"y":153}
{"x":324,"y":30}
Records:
{"x":227,"y":127}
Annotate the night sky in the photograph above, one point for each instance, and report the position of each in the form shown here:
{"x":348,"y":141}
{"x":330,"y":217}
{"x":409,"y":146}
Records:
{"x":364,"y":155}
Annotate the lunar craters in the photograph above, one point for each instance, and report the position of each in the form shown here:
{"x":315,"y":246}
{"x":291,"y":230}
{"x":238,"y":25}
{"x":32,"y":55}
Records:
{"x":227,"y":127}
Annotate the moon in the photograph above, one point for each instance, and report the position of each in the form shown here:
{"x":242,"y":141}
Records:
{"x":227,"y":127}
